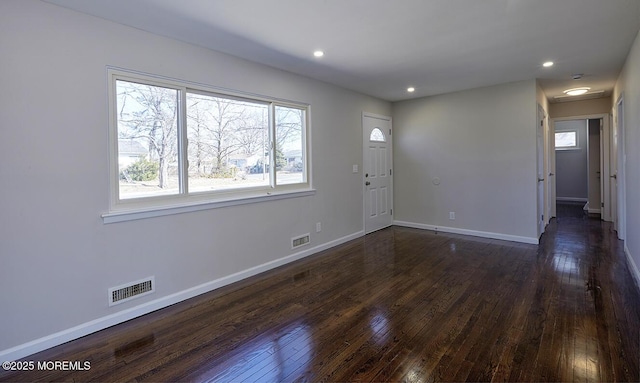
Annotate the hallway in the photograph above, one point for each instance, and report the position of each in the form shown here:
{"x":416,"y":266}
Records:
{"x":591,"y":290}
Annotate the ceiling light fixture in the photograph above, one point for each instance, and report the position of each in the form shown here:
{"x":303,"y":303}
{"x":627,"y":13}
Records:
{"x":566,"y":97}
{"x":411,"y":89}
{"x":548,"y":64}
{"x":318,"y":53}
{"x":576,"y":91}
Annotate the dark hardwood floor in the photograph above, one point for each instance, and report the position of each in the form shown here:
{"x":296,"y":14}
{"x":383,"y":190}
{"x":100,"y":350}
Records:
{"x":397,"y":305}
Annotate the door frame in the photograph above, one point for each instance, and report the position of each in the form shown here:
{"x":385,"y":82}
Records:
{"x":551,"y":169}
{"x":363,"y":170}
{"x":541,"y":171}
{"x":604,"y":155}
{"x":621,"y":168}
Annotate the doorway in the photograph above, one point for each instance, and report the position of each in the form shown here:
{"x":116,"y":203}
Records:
{"x":378,"y":172}
{"x":580,"y":161}
{"x":571,"y":161}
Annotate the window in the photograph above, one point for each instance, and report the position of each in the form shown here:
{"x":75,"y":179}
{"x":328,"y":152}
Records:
{"x":566,"y":140}
{"x":376,"y":135}
{"x":228,"y":143}
{"x":147,"y":139}
{"x":174,"y":143}
{"x":289,"y":145}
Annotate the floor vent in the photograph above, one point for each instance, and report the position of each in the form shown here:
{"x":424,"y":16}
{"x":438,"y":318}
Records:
{"x":132,"y":290}
{"x":300,"y":241}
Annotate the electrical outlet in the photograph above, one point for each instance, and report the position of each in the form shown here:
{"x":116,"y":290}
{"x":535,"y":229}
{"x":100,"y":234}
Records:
{"x":318,"y":227}
{"x":452,"y":215}
{"x":355,"y":168}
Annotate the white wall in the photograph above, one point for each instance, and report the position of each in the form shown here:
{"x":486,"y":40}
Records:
{"x":580,"y":108}
{"x":58,"y":258}
{"x":481,"y":145}
{"x":629,"y":85}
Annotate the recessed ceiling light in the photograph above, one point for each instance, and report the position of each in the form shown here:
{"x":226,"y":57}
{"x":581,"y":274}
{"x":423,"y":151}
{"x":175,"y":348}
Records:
{"x":548,"y":64}
{"x":576,"y":91}
{"x":318,"y":53}
{"x":411,"y":89}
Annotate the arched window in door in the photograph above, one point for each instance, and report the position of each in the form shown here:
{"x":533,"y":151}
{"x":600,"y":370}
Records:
{"x":377,"y":135}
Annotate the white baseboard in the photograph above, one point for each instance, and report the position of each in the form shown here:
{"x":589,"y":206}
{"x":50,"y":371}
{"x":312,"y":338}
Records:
{"x":475,"y":233}
{"x":635,"y":271}
{"x":571,"y":199}
{"x":87,"y":328}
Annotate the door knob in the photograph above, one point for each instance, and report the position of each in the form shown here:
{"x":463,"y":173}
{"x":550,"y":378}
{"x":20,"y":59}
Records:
{"x":540,"y":179}
{"x":614,"y":176}
{"x":367,"y":183}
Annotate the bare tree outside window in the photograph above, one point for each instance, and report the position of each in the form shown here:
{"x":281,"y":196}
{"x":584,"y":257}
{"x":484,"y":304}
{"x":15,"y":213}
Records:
{"x":228,"y":143}
{"x":289,"y":145}
{"x":173,"y":141}
{"x":146,"y":117}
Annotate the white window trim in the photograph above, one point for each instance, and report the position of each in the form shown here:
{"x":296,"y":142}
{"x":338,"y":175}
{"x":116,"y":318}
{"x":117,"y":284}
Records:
{"x":156,"y":206}
{"x":563,"y":148}
{"x":141,"y":213}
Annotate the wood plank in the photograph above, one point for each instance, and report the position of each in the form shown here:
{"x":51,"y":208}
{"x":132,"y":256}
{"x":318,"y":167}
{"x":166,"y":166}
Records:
{"x":398,"y":304}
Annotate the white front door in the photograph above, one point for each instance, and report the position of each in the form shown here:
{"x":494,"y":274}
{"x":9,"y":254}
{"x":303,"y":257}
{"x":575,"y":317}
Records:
{"x":378,"y":173}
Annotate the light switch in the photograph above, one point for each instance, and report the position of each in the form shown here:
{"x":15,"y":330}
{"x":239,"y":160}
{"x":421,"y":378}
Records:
{"x":355,"y":168}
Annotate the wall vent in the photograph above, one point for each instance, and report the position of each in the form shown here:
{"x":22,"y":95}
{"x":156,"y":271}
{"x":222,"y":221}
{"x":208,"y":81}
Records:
{"x":131,"y":290}
{"x":300,"y":241}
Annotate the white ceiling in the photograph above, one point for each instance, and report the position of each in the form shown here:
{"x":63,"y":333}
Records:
{"x":380,"y":47}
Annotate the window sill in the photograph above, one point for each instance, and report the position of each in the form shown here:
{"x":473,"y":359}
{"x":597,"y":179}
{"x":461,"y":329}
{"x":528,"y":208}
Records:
{"x":159,"y":211}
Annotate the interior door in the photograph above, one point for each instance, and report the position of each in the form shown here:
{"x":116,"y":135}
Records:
{"x":551,"y":184}
{"x":605,"y":137}
{"x":613,"y":177}
{"x":540,"y":169}
{"x":621,"y":175}
{"x":378,"y":173}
